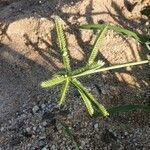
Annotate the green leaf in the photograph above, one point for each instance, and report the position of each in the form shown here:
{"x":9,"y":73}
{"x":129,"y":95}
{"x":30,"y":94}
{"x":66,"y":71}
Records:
{"x":62,"y":45}
{"x":67,"y":131}
{"x":100,"y":107}
{"x":127,"y":108}
{"x":52,"y":82}
{"x":96,"y":45}
{"x":139,"y":37}
{"x":64,"y":91}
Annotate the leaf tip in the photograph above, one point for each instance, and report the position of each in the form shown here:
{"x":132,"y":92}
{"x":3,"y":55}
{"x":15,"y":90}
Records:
{"x":43,"y":84}
{"x":91,"y":113}
{"x":106,"y":114}
{"x":60,"y":103}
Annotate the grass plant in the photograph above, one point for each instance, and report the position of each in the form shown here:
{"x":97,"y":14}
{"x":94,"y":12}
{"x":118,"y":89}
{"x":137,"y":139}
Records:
{"x":70,"y":76}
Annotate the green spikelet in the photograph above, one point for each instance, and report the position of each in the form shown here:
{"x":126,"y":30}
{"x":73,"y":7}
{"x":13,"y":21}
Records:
{"x":64,"y":91}
{"x":85,"y":99}
{"x":96,"y":46}
{"x":62,"y":45}
{"x":78,"y":71}
{"x":87,"y":102}
{"x":88,"y":68}
{"x":148,"y":45}
{"x":52,"y":82}
{"x":100,"y":107}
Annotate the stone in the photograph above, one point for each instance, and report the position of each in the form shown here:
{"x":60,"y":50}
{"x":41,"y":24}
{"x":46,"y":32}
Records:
{"x":53,"y":147}
{"x":28,"y":129}
{"x":96,"y":126}
{"x":34,"y":128}
{"x":126,"y":133}
{"x":42,"y":143}
{"x":35,"y":109}
{"x":44,"y":123}
{"x":2,"y":129}
{"x":44,"y":148}
{"x":43,"y":106}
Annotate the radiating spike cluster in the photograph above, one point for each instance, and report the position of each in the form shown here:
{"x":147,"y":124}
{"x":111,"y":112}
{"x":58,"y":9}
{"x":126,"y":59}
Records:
{"x":91,"y":67}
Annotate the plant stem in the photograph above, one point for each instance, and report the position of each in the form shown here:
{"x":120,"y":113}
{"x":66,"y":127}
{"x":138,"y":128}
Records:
{"x":113,"y":67}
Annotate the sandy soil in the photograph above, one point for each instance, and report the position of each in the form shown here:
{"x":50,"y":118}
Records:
{"x":29,"y":54}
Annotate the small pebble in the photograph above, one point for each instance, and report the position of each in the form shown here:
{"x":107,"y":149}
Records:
{"x":42,"y":143}
{"x":40,"y":2}
{"x":34,"y":128}
{"x":126,"y":133}
{"x":2,"y":129}
{"x":35,"y":109}
{"x":29,"y":145}
{"x":53,"y":147}
{"x":44,"y":148}
{"x":147,"y":23}
{"x":83,"y":143}
{"x":44,"y":123}
{"x":42,"y":137}
{"x":128,"y":68}
{"x":96,"y":126}
{"x":43,"y":106}
{"x":28,"y":129}
{"x":43,"y":19}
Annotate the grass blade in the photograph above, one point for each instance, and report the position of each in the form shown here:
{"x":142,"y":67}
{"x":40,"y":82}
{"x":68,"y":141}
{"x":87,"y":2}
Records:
{"x":62,"y":45}
{"x":139,"y":37}
{"x":52,"y":82}
{"x":100,"y":107}
{"x":96,"y":45}
{"x":67,"y":131}
{"x":64,"y":91}
{"x":125,"y":108}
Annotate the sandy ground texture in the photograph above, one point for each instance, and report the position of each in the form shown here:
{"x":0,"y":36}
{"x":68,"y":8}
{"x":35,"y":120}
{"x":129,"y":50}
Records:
{"x":29,"y":116}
